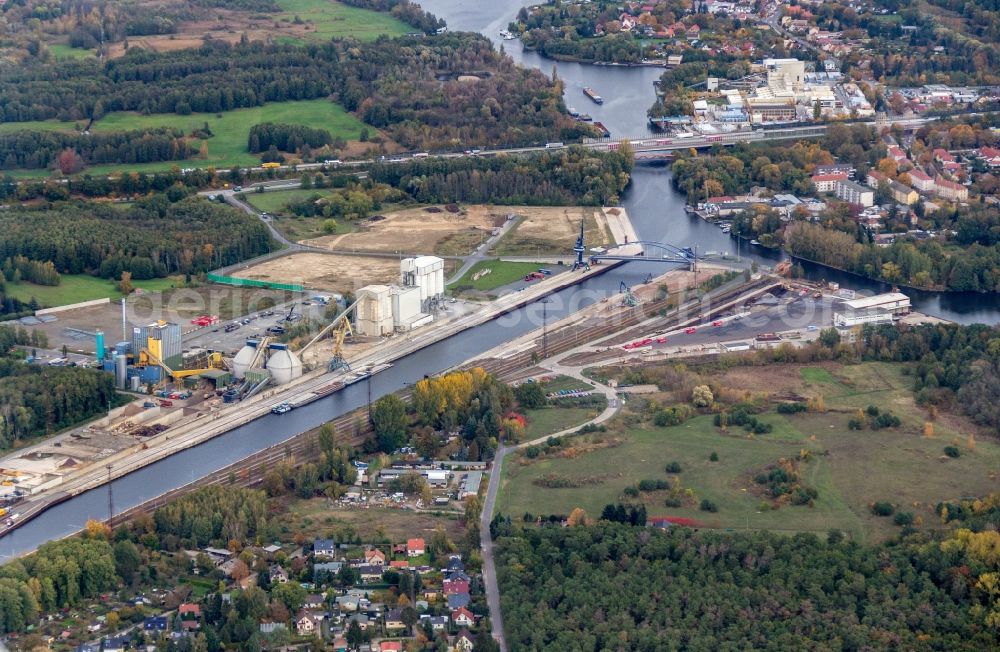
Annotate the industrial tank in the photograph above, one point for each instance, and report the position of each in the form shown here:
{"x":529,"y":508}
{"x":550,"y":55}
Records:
{"x":244,"y":359}
{"x":121,"y":371}
{"x":284,"y":365}
{"x":99,"y":345}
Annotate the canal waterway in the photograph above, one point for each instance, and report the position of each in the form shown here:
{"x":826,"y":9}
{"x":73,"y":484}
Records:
{"x":657,"y":213}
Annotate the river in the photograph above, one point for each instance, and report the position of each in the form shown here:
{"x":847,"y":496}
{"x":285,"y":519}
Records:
{"x":656,"y":210}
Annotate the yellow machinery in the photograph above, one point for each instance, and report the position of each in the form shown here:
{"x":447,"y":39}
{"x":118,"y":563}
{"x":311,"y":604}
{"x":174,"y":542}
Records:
{"x":147,"y":357}
{"x":341,"y":328}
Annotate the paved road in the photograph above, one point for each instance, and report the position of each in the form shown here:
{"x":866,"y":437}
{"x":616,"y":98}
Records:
{"x":493,"y":488}
{"x":481,"y":251}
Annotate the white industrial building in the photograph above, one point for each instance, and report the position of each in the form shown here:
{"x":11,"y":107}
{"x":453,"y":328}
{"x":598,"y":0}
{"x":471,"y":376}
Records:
{"x":896,"y":303}
{"x":406,"y":312}
{"x":424,"y":272}
{"x":850,"y":317}
{"x":374,"y":312}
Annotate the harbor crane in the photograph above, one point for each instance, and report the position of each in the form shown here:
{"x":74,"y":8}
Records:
{"x":341,"y":329}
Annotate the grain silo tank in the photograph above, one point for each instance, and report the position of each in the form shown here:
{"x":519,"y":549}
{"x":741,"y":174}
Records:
{"x":244,"y":359}
{"x":99,"y":346}
{"x":284,"y":365}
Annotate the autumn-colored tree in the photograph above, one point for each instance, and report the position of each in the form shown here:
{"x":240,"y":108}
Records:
{"x":240,"y":571}
{"x":69,"y":162}
{"x":577,"y":517}
{"x":125,"y":283}
{"x":928,"y":430}
{"x":95,"y":529}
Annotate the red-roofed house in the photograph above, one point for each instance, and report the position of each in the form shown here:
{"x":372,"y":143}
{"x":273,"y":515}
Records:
{"x":463,"y":617}
{"x":875,"y":178}
{"x":719,"y":200}
{"x":920,"y":181}
{"x":391,"y":646}
{"x":374,"y":557}
{"x":990,"y":155}
{"x":950,"y":190}
{"x":399,"y":564}
{"x":693,"y":32}
{"x":896,"y":154}
{"x":414,"y":547}
{"x":942,"y":155}
{"x":827,"y":182}
{"x":450,"y":587}
{"x":190,"y":615}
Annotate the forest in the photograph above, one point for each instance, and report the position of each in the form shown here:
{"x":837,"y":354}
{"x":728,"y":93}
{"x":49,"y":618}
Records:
{"x":153,"y":237}
{"x":569,"y":176}
{"x":37,"y":400}
{"x":392,"y":84}
{"x":284,"y":137}
{"x":610,"y":585}
{"x":43,"y":149}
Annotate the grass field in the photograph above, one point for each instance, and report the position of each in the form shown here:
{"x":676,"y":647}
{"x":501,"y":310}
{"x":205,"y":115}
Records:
{"x":317,"y":517}
{"x":80,"y":287}
{"x":850,"y":469}
{"x":334,"y":20}
{"x":62,"y":51}
{"x":549,"y":420}
{"x":273,"y":202}
{"x":502,"y":273}
{"x":228,"y":145}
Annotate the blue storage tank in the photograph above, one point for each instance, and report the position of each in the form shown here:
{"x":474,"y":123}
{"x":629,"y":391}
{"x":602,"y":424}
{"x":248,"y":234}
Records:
{"x":122,"y":348}
{"x":99,"y":345}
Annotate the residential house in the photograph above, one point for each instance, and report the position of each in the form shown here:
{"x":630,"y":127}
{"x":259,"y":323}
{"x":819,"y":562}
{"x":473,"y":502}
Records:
{"x":399,"y":565}
{"x":438,"y":623}
{"x":86,"y":647}
{"x":455,"y":563}
{"x":463,"y":617}
{"x":314,"y":601}
{"x":450,"y":586}
{"x":828,"y":182}
{"x":950,"y":190}
{"x":855,"y":193}
{"x":369,"y":573}
{"x":307,"y":624}
{"x":921,"y":181}
{"x":324,"y":548}
{"x":340,"y":644}
{"x":457,"y":600}
{"x":943,"y":156}
{"x":190,"y":615}
{"x":116,"y":644}
{"x":277,"y":574}
{"x":390,"y":646}
{"x":95,"y":626}
{"x":414,"y":547}
{"x":361,"y":619}
{"x":218,"y":555}
{"x":463,"y":641}
{"x":322,"y":572}
{"x":155,"y":624}
{"x":374,"y":557}
{"x":394,"y":620}
{"x":903,"y":193}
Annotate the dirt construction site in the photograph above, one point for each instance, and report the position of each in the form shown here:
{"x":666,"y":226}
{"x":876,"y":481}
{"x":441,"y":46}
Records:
{"x":425,"y":230}
{"x":449,"y":231}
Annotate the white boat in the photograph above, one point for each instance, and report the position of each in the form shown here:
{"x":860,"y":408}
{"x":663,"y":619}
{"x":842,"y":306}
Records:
{"x":507,"y":35}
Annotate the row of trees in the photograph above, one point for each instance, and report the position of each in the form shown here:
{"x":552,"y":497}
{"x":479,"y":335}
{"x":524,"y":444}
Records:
{"x":153,"y":237}
{"x":42,"y":149}
{"x":691,"y":589}
{"x":19,"y":269}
